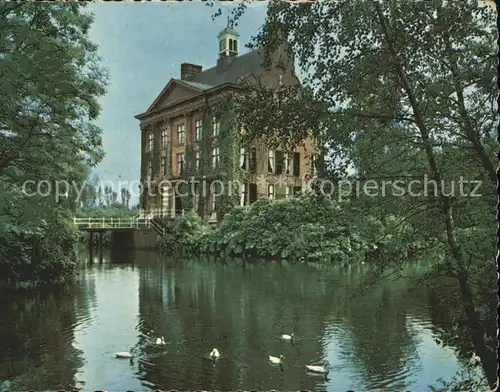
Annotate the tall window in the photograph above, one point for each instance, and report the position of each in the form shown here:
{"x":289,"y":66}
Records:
{"x":215,"y":157}
{"x":270,"y":162}
{"x":214,"y":205}
{"x":181,"y":134}
{"x":199,"y":127}
{"x":215,"y":126}
{"x":253,"y":159}
{"x":243,"y":194}
{"x":288,"y":163}
{"x":270,"y":191}
{"x":180,"y":163}
{"x":313,"y":165}
{"x":151,"y":141}
{"x":296,"y":164}
{"x":164,"y":138}
{"x":163,"y":166}
{"x":150,"y":169}
{"x":289,"y":191}
{"x":243,"y":158}
{"x":198,"y":160}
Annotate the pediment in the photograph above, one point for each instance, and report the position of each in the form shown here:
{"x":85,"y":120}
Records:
{"x":173,"y":92}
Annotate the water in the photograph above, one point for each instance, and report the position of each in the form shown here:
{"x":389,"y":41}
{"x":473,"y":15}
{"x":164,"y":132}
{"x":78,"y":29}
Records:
{"x":381,"y":340}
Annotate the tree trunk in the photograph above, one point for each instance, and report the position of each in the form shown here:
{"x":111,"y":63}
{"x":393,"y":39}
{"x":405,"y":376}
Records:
{"x":476,"y":329}
{"x":488,"y":357}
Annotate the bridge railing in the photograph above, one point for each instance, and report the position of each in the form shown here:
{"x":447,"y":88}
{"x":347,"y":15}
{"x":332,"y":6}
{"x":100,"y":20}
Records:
{"x":110,"y":223}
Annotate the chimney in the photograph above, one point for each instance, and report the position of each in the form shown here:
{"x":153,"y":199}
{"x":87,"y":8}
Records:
{"x":189,"y":70}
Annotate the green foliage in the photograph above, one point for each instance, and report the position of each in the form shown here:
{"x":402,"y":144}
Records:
{"x":401,"y":91}
{"x":183,"y":233}
{"x":303,"y":228}
{"x":50,"y":84}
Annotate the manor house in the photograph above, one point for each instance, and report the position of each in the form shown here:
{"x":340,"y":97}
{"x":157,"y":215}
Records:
{"x":179,"y":122}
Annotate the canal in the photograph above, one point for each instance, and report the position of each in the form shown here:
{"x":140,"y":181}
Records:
{"x":381,"y":339}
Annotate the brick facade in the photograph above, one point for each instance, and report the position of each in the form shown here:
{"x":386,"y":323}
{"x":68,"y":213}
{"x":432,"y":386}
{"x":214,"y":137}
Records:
{"x":181,"y":104}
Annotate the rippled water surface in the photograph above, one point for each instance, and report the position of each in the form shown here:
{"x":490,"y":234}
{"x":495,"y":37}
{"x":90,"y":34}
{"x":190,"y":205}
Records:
{"x":381,"y":340}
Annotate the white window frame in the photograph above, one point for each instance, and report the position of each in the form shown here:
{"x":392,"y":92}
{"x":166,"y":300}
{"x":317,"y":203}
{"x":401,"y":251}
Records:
{"x":164,"y":136}
{"x":215,"y":126}
{"x":270,"y":191}
{"x":243,"y":194}
{"x":181,"y":130}
{"x":151,"y":141}
{"x":150,"y":169}
{"x":163,"y":163}
{"x":198,"y":130}
{"x":289,"y":163}
{"x":198,"y":160}
{"x":313,"y":165}
{"x":289,"y":191}
{"x":215,"y":157}
{"x":272,"y":160}
{"x":180,"y":163}
{"x":214,"y":204}
{"x":244,"y":160}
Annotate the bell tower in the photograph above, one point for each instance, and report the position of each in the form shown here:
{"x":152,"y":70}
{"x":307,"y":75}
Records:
{"x":228,"y":41}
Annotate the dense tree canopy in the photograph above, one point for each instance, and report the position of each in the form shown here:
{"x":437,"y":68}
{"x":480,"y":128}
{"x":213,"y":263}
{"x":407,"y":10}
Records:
{"x":400,"y":91}
{"x":50,"y":82}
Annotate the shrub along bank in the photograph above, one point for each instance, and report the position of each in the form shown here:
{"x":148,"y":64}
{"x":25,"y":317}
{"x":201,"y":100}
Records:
{"x":303,"y":228}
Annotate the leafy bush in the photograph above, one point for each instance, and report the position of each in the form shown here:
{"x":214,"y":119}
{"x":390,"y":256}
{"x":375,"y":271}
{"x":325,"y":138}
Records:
{"x":44,"y":256}
{"x":302,"y":228}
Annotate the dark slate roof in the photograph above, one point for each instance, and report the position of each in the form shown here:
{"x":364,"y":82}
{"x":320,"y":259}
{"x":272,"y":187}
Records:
{"x":241,"y":66}
{"x":200,"y":86}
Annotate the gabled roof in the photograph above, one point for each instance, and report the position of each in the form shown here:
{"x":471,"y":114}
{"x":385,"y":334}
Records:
{"x":196,"y":87}
{"x":239,"y":68}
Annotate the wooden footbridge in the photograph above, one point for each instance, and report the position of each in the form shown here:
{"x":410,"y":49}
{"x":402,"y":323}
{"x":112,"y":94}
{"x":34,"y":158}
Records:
{"x":143,"y":220}
{"x":126,"y":232}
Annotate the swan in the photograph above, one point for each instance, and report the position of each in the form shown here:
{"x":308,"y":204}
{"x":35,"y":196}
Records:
{"x":125,"y":354}
{"x":214,"y":354}
{"x":325,"y":369}
{"x":160,"y":341}
{"x":276,"y":360}
{"x":287,"y":337}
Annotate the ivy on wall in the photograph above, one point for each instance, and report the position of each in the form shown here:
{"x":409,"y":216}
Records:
{"x":227,"y":171}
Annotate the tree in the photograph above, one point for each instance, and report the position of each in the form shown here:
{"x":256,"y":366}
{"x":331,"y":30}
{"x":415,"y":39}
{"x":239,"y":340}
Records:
{"x":400,"y":89}
{"x":50,"y":82}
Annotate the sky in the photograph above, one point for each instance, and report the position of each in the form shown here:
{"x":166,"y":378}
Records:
{"x":142,"y":46}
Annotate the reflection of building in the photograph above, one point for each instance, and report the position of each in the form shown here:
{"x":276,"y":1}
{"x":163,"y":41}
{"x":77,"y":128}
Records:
{"x":181,"y":132}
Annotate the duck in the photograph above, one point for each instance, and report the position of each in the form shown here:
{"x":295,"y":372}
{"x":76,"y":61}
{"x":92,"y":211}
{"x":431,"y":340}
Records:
{"x":125,"y":354}
{"x":214,"y":354}
{"x":160,"y":341}
{"x":276,"y":360}
{"x":287,"y":337}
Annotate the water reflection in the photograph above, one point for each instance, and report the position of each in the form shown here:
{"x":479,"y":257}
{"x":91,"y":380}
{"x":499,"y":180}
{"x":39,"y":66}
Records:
{"x":380,"y":341}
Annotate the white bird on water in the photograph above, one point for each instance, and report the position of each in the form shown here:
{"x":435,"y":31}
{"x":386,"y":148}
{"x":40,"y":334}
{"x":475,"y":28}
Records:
{"x":325,"y":369}
{"x":125,"y":354}
{"x":214,"y":354}
{"x":287,"y":337}
{"x":276,"y":360}
{"x":160,"y":341}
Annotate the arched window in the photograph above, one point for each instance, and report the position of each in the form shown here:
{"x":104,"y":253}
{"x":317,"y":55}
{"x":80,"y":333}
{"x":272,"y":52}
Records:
{"x":235,"y":45}
{"x":230,"y":44}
